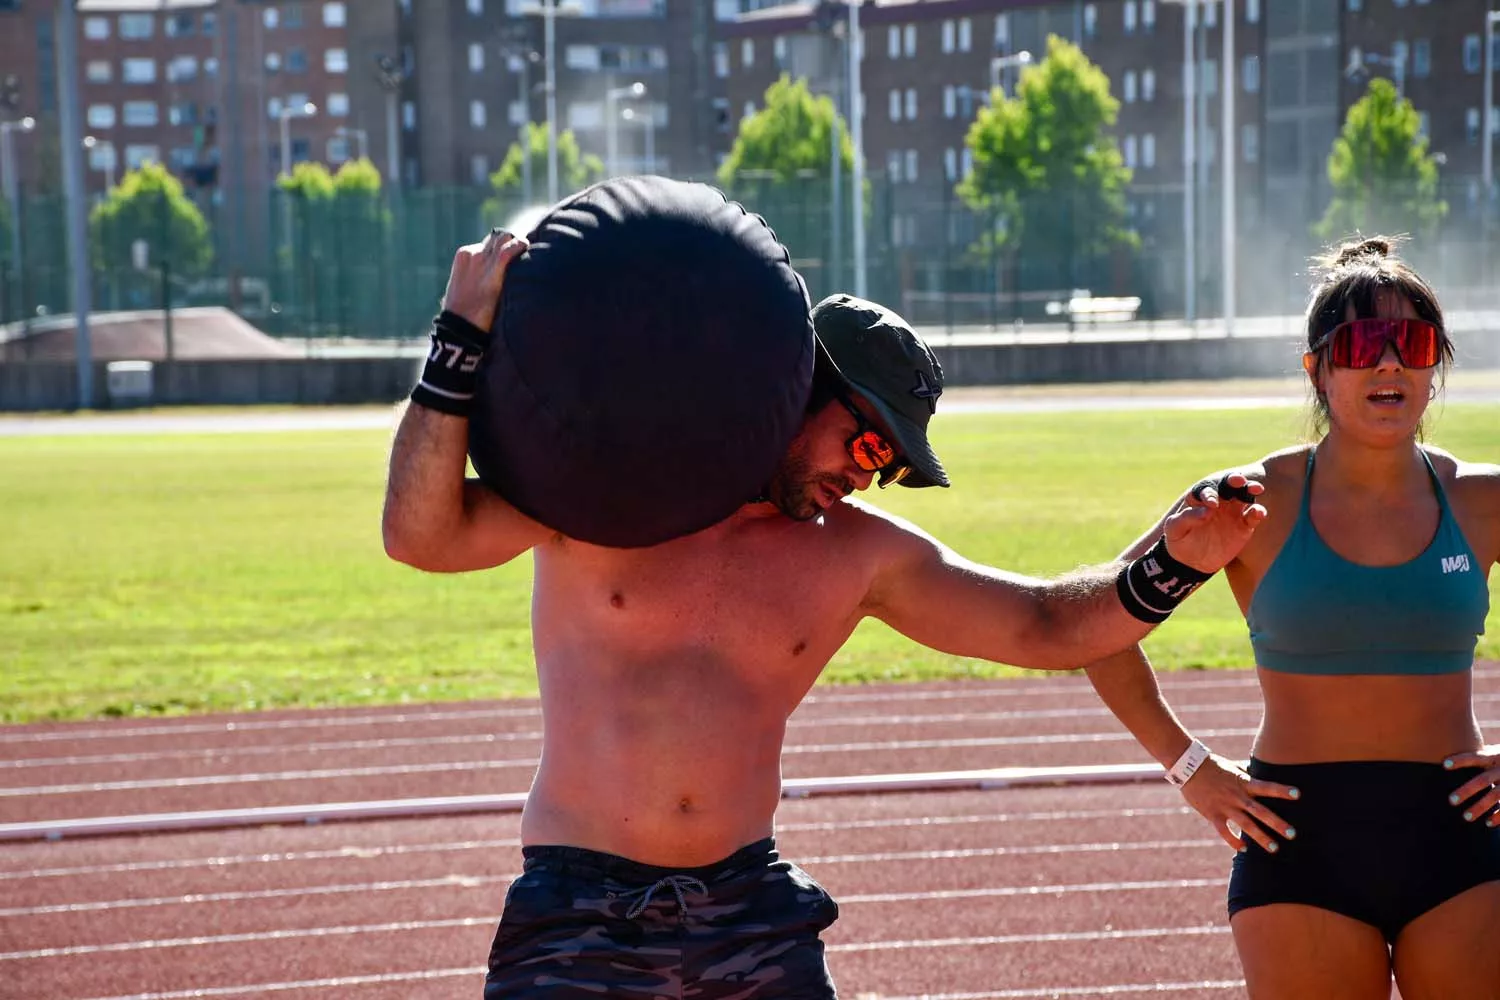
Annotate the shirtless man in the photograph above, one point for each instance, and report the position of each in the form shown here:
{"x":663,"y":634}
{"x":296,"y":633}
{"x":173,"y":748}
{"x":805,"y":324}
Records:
{"x":667,"y":674}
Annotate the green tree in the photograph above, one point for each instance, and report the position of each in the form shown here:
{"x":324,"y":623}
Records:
{"x":149,"y":204}
{"x":1384,"y":178}
{"x":1047,"y":173}
{"x":787,"y":140}
{"x":575,"y":170}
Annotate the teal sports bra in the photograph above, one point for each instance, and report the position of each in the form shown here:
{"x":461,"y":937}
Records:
{"x":1316,"y":612}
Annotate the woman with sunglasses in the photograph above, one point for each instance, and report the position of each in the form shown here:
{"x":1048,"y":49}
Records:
{"x":1365,"y":592}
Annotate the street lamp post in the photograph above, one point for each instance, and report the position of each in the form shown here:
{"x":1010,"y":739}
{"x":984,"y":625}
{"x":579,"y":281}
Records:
{"x":390,"y":75}
{"x":648,"y":120}
{"x":549,"y":10}
{"x":998,"y":63}
{"x":287,"y":113}
{"x":1487,"y":151}
{"x":635,"y":91}
{"x":361,"y":138}
{"x":12,"y":185}
{"x":855,"y":48}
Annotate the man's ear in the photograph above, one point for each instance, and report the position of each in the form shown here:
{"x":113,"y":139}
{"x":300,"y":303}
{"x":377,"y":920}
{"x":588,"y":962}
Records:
{"x":1310,"y":365}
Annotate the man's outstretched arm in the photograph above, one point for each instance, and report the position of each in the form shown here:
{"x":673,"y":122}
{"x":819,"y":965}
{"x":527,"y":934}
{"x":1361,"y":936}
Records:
{"x":434,"y":518}
{"x":931,"y":594}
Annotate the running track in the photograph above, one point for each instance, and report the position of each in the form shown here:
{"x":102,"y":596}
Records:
{"x":1073,"y":891}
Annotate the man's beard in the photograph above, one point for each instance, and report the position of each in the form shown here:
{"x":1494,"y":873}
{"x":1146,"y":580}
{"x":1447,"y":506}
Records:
{"x":795,"y":490}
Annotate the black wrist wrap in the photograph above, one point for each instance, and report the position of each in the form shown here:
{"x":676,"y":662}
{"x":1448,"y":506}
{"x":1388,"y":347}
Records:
{"x":451,"y":373}
{"x":1152,"y":586}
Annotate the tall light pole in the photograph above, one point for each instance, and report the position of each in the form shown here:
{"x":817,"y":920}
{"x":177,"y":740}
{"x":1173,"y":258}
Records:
{"x":361,"y":137}
{"x":1488,"y":151}
{"x":287,"y":113}
{"x":648,"y":120}
{"x":521,"y":62}
{"x":635,"y":91}
{"x":1227,"y":196}
{"x":855,"y":48}
{"x":70,"y":136}
{"x":12,"y":185}
{"x":998,"y":63}
{"x":390,"y":75}
{"x":549,"y":10}
{"x":1189,"y":160}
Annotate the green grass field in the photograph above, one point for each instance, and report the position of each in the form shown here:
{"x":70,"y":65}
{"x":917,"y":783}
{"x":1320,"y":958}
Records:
{"x":188,"y":573}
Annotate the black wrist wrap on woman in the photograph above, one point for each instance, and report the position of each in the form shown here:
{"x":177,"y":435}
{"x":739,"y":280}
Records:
{"x":451,"y":374}
{"x":1152,"y":586}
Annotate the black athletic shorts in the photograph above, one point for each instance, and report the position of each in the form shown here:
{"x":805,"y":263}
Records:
{"x":1376,"y":840}
{"x":581,"y":925}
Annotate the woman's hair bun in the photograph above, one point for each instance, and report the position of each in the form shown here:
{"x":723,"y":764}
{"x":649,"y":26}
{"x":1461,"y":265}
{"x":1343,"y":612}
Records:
{"x":1375,"y":246}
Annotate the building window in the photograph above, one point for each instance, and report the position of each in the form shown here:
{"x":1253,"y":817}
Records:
{"x":893,"y":166}
{"x":950,"y":163}
{"x":476,"y":7}
{"x":911,"y":104}
{"x":911,"y":164}
{"x":296,"y":61}
{"x":179,"y":25}
{"x":966,"y":161}
{"x":100,"y":71}
{"x":142,"y":114}
{"x":1250,"y":143}
{"x":1421,"y":57}
{"x":479,"y":169}
{"x":778,"y":51}
{"x":721,"y":60}
{"x":334,"y":15}
{"x":210,"y":67}
{"x":1128,"y":89}
{"x":1130,"y":153}
{"x":1148,"y":14}
{"x":949,"y":36}
{"x":101,"y":116}
{"x":273,"y":62}
{"x":1471,"y":125}
{"x":1148,"y":85}
{"x":477,"y":118}
{"x":747,"y":53}
{"x":476,"y":57}
{"x":336,"y":60}
{"x":137,"y":26}
{"x":210,"y":24}
{"x":1090,"y":20}
{"x":338,"y":149}
{"x":1399,"y":3}
{"x":182,"y":68}
{"x":1209,"y":81}
{"x":893,"y":41}
{"x":1002,"y":30}
{"x":1129,"y":11}
{"x":950,"y":102}
{"x":137,"y":156}
{"x":1252,"y":11}
{"x":585,"y":115}
{"x":1250,"y":73}
{"x":338,"y":105}
{"x":965,"y":34}
{"x":749,"y":110}
{"x":102,"y":156}
{"x":138,"y":71}
{"x":518,"y":113}
{"x":408,"y":115}
{"x":895,"y":101}
{"x":909,"y":41}
{"x":292,"y":16}
{"x":270,"y":17}
{"x":1148,"y":150}
{"x":1473,"y":53}
{"x":96,"y":29}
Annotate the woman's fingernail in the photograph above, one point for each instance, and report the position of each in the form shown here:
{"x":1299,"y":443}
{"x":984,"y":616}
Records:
{"x":1453,"y":799}
{"x":1295,"y":793}
{"x":1291,"y":833}
{"x":1448,"y":764}
{"x":1273,"y":847}
{"x":1468,"y":817}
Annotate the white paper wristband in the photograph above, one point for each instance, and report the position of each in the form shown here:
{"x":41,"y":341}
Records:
{"x":1187,"y":765}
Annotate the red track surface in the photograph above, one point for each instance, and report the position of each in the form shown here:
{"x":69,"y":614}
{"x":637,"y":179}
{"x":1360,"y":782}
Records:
{"x":1088,"y":891}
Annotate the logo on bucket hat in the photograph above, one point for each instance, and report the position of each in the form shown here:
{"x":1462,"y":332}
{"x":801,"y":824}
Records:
{"x":879,"y":356}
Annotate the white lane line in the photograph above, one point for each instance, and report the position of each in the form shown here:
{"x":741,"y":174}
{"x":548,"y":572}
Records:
{"x":1003,"y":939}
{"x":479,"y":882}
{"x":862,"y":721}
{"x":439,"y":767}
{"x":368,"y":853}
{"x":312,"y":720}
{"x":1081,"y":992}
{"x":965,"y":853}
{"x":407,"y":926}
{"x":336,"y":982}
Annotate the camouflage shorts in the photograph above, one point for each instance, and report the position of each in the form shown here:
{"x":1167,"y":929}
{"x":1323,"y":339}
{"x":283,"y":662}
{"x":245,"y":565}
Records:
{"x":580,"y":924}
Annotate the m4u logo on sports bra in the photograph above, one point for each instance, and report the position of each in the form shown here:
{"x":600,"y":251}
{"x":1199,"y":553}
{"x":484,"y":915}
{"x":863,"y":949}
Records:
{"x":1456,"y":564}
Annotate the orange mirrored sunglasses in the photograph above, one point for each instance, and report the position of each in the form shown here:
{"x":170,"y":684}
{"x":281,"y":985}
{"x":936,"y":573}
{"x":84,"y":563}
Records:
{"x":870,"y":449}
